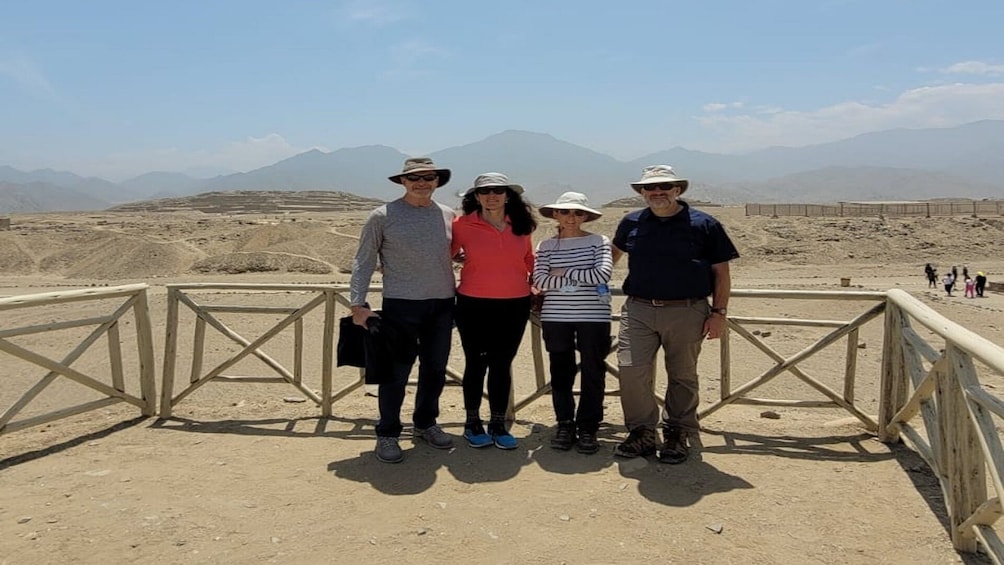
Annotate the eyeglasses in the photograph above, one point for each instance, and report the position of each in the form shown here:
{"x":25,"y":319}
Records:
{"x":579,"y":213}
{"x":483,"y":190}
{"x":427,"y":177}
{"x":667,"y":187}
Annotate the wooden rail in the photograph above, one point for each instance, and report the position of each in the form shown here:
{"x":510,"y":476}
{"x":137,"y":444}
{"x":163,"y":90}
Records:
{"x":840,"y":329}
{"x":321,"y":298}
{"x":933,"y":398}
{"x":106,"y":325}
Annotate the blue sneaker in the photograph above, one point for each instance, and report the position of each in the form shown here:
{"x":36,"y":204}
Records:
{"x":476,"y":436}
{"x":504,"y":440}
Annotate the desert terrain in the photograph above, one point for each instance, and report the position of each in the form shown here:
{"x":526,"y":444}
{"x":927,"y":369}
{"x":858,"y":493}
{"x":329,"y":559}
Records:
{"x":251,"y":474}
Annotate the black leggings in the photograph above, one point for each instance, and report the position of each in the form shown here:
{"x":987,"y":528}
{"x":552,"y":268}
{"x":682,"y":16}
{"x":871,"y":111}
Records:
{"x":491,"y":330}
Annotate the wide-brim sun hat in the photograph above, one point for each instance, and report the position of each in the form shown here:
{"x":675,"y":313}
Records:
{"x":660,"y":174}
{"x":570,"y":201}
{"x":415,"y":165}
{"x":493,"y":179}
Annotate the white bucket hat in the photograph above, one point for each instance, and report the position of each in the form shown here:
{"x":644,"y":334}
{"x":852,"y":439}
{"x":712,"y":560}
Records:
{"x":660,"y":174}
{"x":494,"y":179}
{"x":571,"y":201}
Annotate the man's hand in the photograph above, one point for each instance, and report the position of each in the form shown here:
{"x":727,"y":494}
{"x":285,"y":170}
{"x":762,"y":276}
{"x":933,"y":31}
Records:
{"x":360,"y":314}
{"x":714,"y":325}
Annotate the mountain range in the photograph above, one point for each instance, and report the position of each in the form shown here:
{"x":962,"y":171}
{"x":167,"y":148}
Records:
{"x":901,"y":164}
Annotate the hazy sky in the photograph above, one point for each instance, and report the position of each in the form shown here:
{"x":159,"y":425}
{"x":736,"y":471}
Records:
{"x":119,"y":88}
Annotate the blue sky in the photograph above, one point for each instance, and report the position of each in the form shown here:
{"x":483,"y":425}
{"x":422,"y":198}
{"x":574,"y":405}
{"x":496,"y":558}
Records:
{"x":118,"y":88}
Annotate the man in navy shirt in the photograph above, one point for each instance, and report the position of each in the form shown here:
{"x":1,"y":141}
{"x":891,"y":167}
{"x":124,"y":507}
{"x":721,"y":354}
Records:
{"x":677,"y":257}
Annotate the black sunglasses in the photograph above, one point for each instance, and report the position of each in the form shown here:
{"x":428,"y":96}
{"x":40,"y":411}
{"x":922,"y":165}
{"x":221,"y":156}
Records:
{"x":659,"y":186}
{"x":579,"y":213}
{"x":496,"y":189}
{"x":427,"y":177}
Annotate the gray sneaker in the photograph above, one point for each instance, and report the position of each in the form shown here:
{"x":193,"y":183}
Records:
{"x":435,"y":436}
{"x":388,"y":450}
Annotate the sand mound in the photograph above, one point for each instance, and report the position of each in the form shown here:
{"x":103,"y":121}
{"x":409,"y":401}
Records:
{"x":261,"y":262}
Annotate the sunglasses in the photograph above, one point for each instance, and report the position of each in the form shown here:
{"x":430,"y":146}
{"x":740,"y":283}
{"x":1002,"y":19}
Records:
{"x":491,"y":189}
{"x":648,"y":187}
{"x":427,"y":177}
{"x":579,"y":213}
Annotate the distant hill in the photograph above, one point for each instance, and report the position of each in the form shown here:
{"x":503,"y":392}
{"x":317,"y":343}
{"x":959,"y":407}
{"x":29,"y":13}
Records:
{"x":255,"y":202}
{"x":93,"y":187}
{"x":955,"y":162}
{"x":44,"y":197}
{"x":160,"y":184}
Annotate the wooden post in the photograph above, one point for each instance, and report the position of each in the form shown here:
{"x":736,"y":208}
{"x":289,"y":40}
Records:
{"x":962,"y":461}
{"x":170,"y":353}
{"x":893,"y":392}
{"x":328,"y":351}
{"x":144,"y":340}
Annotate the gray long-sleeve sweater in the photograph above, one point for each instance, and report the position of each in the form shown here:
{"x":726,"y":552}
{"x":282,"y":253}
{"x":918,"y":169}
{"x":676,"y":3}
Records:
{"x":413,"y":245}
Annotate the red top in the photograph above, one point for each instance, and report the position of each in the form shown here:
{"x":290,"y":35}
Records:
{"x":497,"y":263}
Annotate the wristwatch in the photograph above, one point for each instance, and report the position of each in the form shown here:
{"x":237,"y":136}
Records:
{"x":718,"y":311}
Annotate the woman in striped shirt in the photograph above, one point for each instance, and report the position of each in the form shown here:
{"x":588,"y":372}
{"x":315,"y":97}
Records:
{"x":572,"y":269}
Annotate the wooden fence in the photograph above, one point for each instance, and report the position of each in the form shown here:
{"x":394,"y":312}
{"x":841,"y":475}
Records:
{"x":933,"y":397}
{"x":322,"y":299}
{"x":853,"y":209}
{"x":105,"y":325}
{"x":931,"y":394}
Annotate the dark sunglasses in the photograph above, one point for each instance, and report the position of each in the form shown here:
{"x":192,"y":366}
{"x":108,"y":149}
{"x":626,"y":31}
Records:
{"x":578,"y":213}
{"x":427,"y":177}
{"x":659,"y":186}
{"x":494,"y":189}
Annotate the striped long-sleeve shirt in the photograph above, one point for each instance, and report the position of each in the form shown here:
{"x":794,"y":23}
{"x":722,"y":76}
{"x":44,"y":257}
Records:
{"x":572,"y":297}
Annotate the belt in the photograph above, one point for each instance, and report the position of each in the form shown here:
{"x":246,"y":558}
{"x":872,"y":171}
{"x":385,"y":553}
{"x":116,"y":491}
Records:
{"x":681,"y":302}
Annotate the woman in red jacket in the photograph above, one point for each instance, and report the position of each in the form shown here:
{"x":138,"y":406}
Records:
{"x":492,"y":239}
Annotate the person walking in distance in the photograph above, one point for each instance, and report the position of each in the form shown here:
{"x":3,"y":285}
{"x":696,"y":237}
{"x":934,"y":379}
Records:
{"x":677,"y":258}
{"x":572,"y":270}
{"x":410,"y":237}
{"x":932,"y":276}
{"x":981,"y":283}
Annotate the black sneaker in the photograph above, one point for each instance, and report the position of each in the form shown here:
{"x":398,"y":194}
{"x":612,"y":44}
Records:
{"x":564,"y":438}
{"x":588,"y":443}
{"x":639,"y":443}
{"x":674,"y":446}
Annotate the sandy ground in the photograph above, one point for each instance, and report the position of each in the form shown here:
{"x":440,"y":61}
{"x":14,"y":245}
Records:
{"x":242,"y":474}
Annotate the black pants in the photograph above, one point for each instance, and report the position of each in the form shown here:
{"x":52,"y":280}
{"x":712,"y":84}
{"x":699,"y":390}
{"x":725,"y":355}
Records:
{"x":491,"y":330}
{"x":431,"y":321}
{"x":592,"y":340}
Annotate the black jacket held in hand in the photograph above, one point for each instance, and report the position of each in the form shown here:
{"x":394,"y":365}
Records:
{"x":374,"y":347}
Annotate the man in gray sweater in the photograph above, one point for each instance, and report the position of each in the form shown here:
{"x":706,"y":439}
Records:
{"x":411,"y":238}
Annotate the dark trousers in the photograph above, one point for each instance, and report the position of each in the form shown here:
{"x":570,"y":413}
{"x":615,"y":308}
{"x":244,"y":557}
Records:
{"x":979,"y":288}
{"x":592,"y":341}
{"x":431,"y":322}
{"x":491,"y":330}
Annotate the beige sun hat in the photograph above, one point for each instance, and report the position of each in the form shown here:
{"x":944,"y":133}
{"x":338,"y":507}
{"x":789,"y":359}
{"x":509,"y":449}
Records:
{"x":421,"y":165}
{"x":660,"y":174}
{"x":570,"y":201}
{"x":493,"y":179}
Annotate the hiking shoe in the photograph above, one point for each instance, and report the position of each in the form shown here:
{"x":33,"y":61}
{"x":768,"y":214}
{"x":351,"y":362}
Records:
{"x":674,"y":446}
{"x":639,"y":443}
{"x":588,"y":443}
{"x":435,"y":436}
{"x":476,"y":436}
{"x":564,"y":438}
{"x":388,"y":450}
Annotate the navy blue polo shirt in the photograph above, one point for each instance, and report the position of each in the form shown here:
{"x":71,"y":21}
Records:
{"x":670,"y":258}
